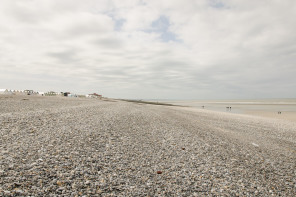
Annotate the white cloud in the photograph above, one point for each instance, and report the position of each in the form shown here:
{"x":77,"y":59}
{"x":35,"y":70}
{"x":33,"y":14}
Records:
{"x":150,"y":49}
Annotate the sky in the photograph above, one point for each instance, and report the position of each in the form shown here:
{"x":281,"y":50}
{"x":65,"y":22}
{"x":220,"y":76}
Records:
{"x":150,"y":49}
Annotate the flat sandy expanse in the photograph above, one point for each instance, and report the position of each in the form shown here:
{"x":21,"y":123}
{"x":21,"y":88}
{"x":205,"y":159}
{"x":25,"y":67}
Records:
{"x":53,"y":146}
{"x":263,"y":108}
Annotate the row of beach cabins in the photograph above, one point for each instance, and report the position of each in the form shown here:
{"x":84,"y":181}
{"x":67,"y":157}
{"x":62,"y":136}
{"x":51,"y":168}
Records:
{"x":50,"y":93}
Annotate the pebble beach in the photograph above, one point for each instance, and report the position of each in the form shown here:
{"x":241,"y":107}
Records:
{"x":56,"y":146}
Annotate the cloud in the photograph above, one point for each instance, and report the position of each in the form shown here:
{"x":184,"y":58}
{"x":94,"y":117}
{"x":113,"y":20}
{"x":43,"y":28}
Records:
{"x":150,"y":49}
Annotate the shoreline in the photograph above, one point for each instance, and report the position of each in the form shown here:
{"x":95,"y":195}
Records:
{"x":283,"y":109}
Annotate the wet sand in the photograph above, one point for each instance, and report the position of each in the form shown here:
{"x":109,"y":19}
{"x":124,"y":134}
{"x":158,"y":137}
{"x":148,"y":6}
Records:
{"x":284,"y":109}
{"x":287,"y":115}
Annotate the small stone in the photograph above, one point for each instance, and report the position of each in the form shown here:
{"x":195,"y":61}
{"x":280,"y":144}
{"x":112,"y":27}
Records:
{"x":33,"y":164}
{"x":16,"y":184}
{"x":19,"y":191}
{"x":11,"y":166}
{"x":99,"y":191}
{"x":60,"y":183}
{"x":60,"y":189}
{"x":159,"y":172}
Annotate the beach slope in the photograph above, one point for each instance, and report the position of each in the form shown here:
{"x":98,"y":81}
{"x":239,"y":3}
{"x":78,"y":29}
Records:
{"x":75,"y":147}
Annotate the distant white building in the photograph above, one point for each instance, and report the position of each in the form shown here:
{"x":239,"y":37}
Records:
{"x":65,"y":93}
{"x":72,"y":95}
{"x":51,"y":93}
{"x":94,"y":95}
{"x":19,"y":92}
{"x":29,"y":92}
{"x":41,"y":93}
{"x":5,"y":91}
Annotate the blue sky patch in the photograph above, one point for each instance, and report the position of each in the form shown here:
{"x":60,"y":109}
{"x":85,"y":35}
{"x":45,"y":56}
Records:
{"x":161,"y":26}
{"x":217,"y":4}
{"x":118,"y":24}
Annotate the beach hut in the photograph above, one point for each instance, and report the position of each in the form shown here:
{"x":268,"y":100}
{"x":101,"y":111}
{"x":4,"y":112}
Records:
{"x":65,"y":93}
{"x":94,"y":95}
{"x":51,"y":93}
{"x":28,"y":92}
{"x":72,"y":95}
{"x":41,"y":93}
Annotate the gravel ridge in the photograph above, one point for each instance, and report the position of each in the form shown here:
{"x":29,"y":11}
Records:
{"x":88,"y":147}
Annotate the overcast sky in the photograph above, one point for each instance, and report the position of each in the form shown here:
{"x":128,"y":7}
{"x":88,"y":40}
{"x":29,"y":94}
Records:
{"x":162,"y":49}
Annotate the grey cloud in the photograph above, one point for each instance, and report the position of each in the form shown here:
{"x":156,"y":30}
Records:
{"x":26,"y":12}
{"x":64,"y":57}
{"x":108,"y":43}
{"x":85,"y":29}
{"x":231,"y":49}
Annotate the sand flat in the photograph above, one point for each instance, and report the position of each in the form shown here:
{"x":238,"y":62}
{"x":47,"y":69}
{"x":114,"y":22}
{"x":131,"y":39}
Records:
{"x":287,"y":115}
{"x":261,"y":107}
